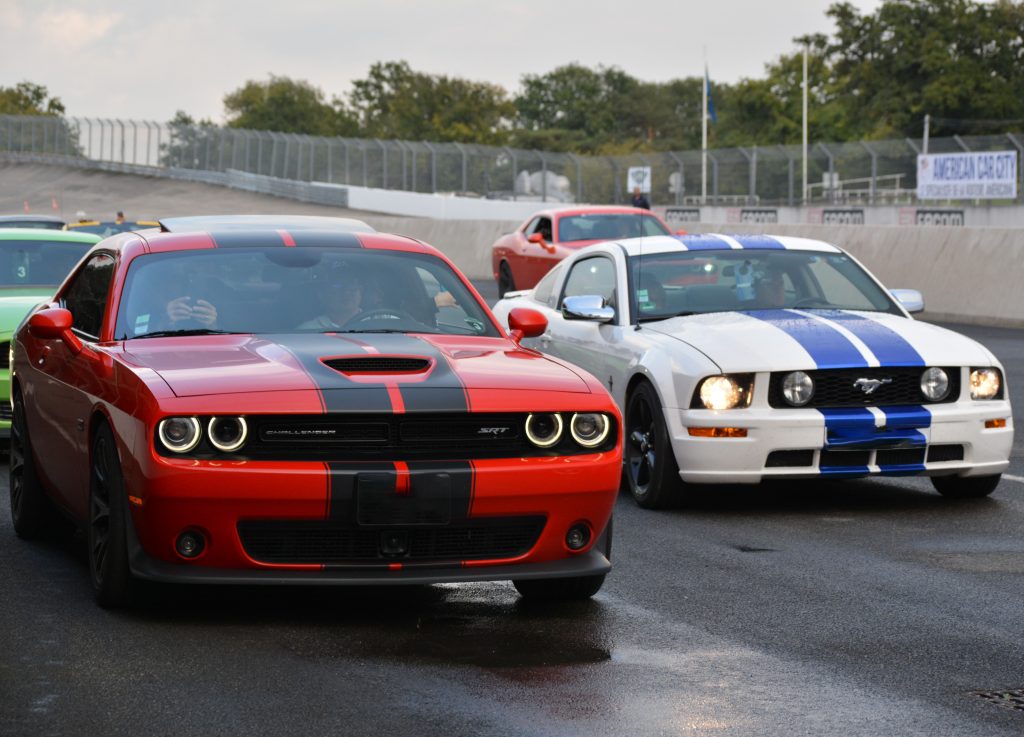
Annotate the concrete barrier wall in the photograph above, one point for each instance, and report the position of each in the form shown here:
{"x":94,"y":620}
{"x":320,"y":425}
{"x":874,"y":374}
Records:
{"x":972,"y":275}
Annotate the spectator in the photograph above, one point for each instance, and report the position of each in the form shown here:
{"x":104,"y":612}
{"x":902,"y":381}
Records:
{"x":639,"y":200}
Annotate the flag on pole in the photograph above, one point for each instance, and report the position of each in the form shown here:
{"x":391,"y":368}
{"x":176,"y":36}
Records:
{"x":711,"y":102}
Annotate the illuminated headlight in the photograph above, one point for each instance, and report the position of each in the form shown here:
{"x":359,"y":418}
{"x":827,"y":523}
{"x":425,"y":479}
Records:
{"x":589,"y":429}
{"x":724,"y":392}
{"x":179,"y":434}
{"x":985,"y":383}
{"x":227,"y":434}
{"x":797,"y":388}
{"x":935,"y":384}
{"x":544,"y":429}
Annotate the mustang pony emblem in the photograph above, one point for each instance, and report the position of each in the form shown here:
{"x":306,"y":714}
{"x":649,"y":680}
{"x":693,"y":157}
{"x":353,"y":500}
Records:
{"x":868,"y":386}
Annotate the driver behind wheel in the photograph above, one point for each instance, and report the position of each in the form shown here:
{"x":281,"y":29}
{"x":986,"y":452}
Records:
{"x":340,"y":296}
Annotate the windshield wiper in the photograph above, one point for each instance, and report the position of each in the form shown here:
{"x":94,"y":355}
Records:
{"x":654,"y":318}
{"x":190,"y":331}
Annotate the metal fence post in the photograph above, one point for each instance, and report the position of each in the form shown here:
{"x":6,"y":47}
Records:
{"x":680,"y":189}
{"x":714,"y":177}
{"x":465,"y":185}
{"x":1020,"y":155}
{"x":433,"y":166}
{"x":831,"y":172}
{"x":873,"y":190}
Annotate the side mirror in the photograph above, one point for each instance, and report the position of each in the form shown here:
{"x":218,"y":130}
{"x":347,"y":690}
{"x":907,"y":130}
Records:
{"x":536,"y":238}
{"x":526,"y":323}
{"x":54,"y":323}
{"x":911,"y":299}
{"x":587,"y":307}
{"x":682,"y":231}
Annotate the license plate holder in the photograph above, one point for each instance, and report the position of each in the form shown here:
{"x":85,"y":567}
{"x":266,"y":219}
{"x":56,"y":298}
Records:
{"x":427,"y":502}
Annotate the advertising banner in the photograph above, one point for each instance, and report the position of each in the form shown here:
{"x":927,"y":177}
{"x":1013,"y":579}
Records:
{"x":976,"y":175}
{"x":639,"y":176}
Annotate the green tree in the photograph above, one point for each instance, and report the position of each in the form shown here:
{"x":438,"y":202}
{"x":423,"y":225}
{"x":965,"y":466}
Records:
{"x":287,"y":106}
{"x":28,"y":98}
{"x":394,"y":101}
{"x":189,"y":143}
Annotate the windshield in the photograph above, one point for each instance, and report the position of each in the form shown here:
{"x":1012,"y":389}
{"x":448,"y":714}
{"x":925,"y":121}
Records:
{"x":38,"y":263}
{"x":288,"y":290}
{"x":688,"y":282}
{"x":110,"y":228}
{"x":608,"y":227}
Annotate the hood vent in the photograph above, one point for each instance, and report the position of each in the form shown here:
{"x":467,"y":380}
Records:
{"x":379,"y":364}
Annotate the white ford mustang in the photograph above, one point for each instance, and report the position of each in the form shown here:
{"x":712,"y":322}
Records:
{"x":742,"y":358}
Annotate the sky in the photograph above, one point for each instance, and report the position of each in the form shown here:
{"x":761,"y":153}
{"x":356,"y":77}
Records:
{"x":146,"y":59}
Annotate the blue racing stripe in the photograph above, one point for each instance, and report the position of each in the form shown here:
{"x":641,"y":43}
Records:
{"x":702,"y":242}
{"x":846,"y":424}
{"x":759,"y":242}
{"x":888,"y":345}
{"x":910,"y":419}
{"x":828,"y":347}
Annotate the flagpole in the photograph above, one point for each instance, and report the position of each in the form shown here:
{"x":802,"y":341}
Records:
{"x":805,"y":125}
{"x":704,"y":134}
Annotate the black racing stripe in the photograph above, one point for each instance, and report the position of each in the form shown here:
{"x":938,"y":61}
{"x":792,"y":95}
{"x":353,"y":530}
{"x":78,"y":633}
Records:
{"x":460,"y":474}
{"x":442,"y":391}
{"x":339,"y":393}
{"x":343,"y":486}
{"x":324,"y":239}
{"x":247,"y":239}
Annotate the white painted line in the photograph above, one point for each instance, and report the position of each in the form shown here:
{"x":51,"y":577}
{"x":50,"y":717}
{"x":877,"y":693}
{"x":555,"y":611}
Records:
{"x":1018,"y":479}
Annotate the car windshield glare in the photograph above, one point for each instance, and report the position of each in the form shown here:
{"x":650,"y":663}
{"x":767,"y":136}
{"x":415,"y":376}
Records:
{"x":694,"y":282}
{"x":289,"y":290}
{"x":608,"y":227}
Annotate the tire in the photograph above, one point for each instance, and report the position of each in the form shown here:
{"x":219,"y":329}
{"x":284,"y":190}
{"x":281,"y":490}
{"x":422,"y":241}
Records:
{"x":971,"y":487}
{"x":106,"y":532}
{"x":31,"y":512}
{"x":506,"y":283}
{"x":652,"y":473}
{"x":566,"y":589}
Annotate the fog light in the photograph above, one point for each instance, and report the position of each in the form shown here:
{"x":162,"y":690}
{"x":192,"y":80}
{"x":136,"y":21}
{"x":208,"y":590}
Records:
{"x":190,"y":544}
{"x":394,"y":543}
{"x":797,"y":388}
{"x":577,"y":537}
{"x":934,"y":384}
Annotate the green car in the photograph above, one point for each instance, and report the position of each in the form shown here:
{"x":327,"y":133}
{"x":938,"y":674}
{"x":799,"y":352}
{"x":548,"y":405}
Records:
{"x":33,"y":263}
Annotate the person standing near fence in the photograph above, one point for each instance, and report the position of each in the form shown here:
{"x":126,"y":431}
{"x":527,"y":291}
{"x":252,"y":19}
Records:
{"x":639,"y":200}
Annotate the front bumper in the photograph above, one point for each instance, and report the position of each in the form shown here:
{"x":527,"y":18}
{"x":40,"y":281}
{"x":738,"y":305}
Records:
{"x":170,"y":496}
{"x":746,"y":460}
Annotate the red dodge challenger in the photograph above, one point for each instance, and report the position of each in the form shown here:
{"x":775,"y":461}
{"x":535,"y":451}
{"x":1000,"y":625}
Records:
{"x":260,"y":400}
{"x":521,"y":258}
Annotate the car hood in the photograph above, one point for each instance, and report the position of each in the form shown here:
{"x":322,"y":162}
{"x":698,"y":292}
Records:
{"x":230,"y":364}
{"x":769,"y":340}
{"x":17,"y":302}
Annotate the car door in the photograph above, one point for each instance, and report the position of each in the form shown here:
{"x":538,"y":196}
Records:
{"x":602,"y":348}
{"x":68,"y":384}
{"x":540,"y":257}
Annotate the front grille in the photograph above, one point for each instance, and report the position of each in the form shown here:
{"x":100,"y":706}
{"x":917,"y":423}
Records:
{"x":844,"y":458}
{"x":336,"y":543}
{"x":835,"y":387}
{"x":943,"y":453}
{"x":353,"y":436}
{"x":789,"y":458}
{"x":378,"y":365}
{"x":900,"y":457}
{"x":5,"y":355}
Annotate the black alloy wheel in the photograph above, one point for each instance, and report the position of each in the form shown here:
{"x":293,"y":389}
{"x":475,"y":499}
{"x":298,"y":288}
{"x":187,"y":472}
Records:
{"x":108,"y":550}
{"x":505,"y":281}
{"x":31,"y":511}
{"x":651,"y":469}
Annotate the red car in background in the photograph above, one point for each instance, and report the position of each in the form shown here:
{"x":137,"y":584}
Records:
{"x":521,"y":258}
{"x":262,"y":401}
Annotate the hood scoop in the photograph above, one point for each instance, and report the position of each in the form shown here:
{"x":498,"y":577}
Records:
{"x":350,"y":365}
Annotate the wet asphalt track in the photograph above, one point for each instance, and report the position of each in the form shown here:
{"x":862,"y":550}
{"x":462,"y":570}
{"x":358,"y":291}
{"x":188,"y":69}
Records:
{"x":858,"y":608}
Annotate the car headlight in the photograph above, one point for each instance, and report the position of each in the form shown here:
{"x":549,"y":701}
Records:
{"x":179,"y":434}
{"x":227,"y":434}
{"x":726,"y":392}
{"x":985,"y":383}
{"x":935,"y":384}
{"x":589,"y":429}
{"x":797,"y":388}
{"x":544,"y":429}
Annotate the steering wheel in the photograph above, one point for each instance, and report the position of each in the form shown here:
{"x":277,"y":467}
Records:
{"x":380,"y":313}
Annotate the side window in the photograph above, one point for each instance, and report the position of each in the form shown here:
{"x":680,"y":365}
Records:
{"x":544,"y":228}
{"x":542,"y":292}
{"x":531,"y":227}
{"x":86,"y":295}
{"x":592,"y":276}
